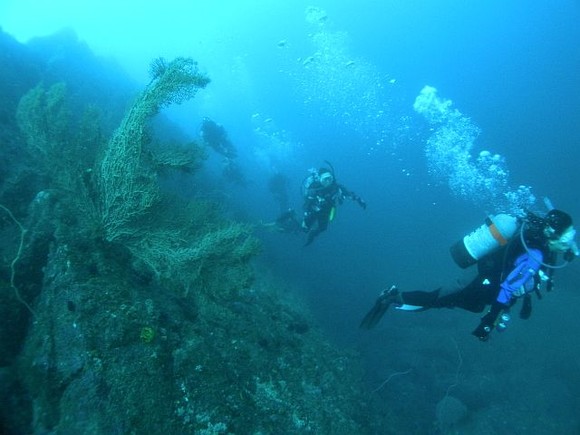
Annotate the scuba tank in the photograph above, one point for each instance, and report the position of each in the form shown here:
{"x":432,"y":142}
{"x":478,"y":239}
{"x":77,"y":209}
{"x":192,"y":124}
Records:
{"x":495,"y":232}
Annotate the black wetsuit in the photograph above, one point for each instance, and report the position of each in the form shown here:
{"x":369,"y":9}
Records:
{"x":318,"y":204}
{"x":484,"y":288}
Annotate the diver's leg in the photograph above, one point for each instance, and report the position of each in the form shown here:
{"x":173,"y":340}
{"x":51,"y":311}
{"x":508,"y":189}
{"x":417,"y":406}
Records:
{"x":419,"y":300}
{"x":446,"y":296}
{"x":287,"y":222}
{"x":312,"y":235}
{"x":321,"y":225}
{"x":323,"y":220}
{"x":308,"y":220}
{"x":472,"y":297}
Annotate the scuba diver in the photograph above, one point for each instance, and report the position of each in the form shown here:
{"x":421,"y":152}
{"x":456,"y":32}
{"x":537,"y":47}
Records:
{"x":513,"y":258}
{"x":285,"y":223}
{"x":278,"y":187}
{"x":232,"y":172}
{"x":322,"y":194}
{"x":215,"y":136}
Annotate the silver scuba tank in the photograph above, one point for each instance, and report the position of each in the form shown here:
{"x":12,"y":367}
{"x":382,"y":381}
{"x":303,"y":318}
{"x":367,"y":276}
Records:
{"x":495,"y":232}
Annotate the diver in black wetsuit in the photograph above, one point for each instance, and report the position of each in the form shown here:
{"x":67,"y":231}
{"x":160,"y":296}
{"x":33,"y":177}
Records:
{"x":500,"y":278}
{"x":322,"y":194}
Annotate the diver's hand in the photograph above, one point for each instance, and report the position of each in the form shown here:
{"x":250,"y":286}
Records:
{"x":569,"y":255}
{"x":519,"y":292}
{"x":488,"y":322}
{"x":482,"y":331}
{"x":361,"y":202}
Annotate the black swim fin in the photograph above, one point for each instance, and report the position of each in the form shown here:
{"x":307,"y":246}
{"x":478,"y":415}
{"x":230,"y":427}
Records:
{"x":374,"y":316}
{"x":311,"y":236}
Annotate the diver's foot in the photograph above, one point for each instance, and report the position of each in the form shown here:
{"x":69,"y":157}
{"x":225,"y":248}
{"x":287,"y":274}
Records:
{"x":392,"y":295}
{"x":386,"y":298}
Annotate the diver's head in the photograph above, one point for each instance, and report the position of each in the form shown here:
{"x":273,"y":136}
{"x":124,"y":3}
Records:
{"x":325,"y":177}
{"x":559,"y":231}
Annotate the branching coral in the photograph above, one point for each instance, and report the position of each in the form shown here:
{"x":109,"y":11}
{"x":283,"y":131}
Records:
{"x":128,"y":189}
{"x":43,"y":117}
{"x":185,"y":159}
{"x":173,"y":256}
{"x":180,"y":246}
{"x":60,"y":146}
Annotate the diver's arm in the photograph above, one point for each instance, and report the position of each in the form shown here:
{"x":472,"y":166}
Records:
{"x":489,"y":321}
{"x":518,"y":282}
{"x":351,"y":195}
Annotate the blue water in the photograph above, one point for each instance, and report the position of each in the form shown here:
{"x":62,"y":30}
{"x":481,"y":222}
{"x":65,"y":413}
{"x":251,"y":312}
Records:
{"x":295,"y":86}
{"x":511,"y":70}
{"x":339,"y":83}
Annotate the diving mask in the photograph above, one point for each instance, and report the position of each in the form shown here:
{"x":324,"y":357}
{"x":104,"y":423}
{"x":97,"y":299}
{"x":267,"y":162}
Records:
{"x":326,"y":179}
{"x":565,"y":242}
